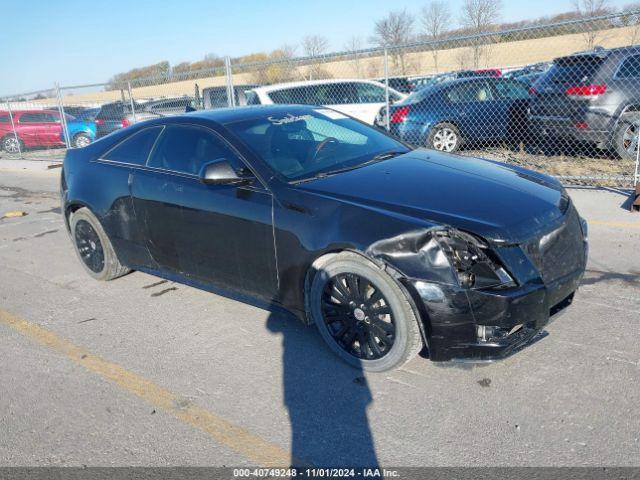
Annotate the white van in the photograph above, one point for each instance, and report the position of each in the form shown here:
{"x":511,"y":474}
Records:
{"x":361,"y":99}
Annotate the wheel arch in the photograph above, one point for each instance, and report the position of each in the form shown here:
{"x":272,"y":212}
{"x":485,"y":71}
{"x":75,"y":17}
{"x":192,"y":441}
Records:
{"x":633,"y":107}
{"x":75,"y":205}
{"x":440,"y":121}
{"x":424,"y":322}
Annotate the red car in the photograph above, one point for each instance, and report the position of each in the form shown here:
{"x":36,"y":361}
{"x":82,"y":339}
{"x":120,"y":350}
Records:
{"x":490,"y":72}
{"x":42,"y":128}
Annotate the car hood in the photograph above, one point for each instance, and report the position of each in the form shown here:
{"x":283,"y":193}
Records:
{"x":501,"y":203}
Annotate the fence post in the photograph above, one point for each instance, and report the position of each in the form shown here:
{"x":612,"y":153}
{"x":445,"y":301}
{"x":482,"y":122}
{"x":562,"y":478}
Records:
{"x":133,"y":108}
{"x":63,"y":118}
{"x":13,"y":127}
{"x":231,"y":97}
{"x":386,"y":87}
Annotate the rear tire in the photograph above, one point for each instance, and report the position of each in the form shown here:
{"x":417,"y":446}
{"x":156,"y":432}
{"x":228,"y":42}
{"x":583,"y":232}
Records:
{"x":81,"y":140}
{"x":93,"y":247}
{"x":389,"y":339}
{"x":445,"y":137}
{"x":625,"y":139}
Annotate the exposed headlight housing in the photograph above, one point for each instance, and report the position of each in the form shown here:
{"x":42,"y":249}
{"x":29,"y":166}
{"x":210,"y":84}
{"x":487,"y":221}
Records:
{"x":473,"y":262}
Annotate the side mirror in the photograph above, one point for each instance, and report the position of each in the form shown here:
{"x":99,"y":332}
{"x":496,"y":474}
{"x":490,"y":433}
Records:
{"x":220,"y":172}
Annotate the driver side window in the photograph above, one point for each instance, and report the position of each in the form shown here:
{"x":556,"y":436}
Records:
{"x":185,"y":149}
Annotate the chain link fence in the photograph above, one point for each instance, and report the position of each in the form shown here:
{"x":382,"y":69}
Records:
{"x":561,"y":98}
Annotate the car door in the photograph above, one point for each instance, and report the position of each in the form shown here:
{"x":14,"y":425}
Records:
{"x":51,"y":131}
{"x":125,"y":226}
{"x":216,"y":234}
{"x":30,"y":126}
{"x":511,"y":109}
{"x":474,"y":109}
{"x":624,"y":84}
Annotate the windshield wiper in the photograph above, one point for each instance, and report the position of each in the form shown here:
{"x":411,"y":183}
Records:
{"x":387,"y":155}
{"x":376,"y":158}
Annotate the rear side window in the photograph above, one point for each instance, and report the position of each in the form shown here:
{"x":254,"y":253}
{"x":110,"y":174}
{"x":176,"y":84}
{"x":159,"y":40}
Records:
{"x":35,"y":117}
{"x":252,"y":98}
{"x":334,"y":94}
{"x":186,"y":149}
{"x":511,"y":90}
{"x":321,"y":94}
{"x":298,"y":95}
{"x":109,"y":111}
{"x":136,"y":148}
{"x":175,"y":103}
{"x":630,"y":68}
{"x":470,"y":92}
{"x":369,"y":93}
{"x":4,"y":119}
{"x":574,"y":70}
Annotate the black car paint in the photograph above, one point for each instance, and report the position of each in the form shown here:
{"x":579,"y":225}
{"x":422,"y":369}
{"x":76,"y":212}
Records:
{"x":260,"y":239}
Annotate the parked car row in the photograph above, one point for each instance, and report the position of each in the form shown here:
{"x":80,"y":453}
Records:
{"x":584,"y":98}
{"x":22,"y":129}
{"x":588,"y":98}
{"x":44,"y":128}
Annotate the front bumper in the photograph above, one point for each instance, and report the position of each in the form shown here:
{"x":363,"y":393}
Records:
{"x":489,"y":324}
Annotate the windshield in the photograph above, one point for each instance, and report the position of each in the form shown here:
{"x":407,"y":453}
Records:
{"x":311,"y":142}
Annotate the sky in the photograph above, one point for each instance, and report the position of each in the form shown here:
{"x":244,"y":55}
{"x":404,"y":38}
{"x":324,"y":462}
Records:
{"x":75,"y":42}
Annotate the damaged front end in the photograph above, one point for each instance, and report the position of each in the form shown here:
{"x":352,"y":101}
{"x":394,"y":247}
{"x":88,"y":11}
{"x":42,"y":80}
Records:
{"x":481,"y":300}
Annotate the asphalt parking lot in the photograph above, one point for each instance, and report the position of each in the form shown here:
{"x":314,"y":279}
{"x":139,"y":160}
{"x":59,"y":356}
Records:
{"x":140,"y":371}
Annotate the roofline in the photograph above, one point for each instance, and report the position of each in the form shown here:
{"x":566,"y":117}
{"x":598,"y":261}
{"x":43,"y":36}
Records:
{"x":304,"y":83}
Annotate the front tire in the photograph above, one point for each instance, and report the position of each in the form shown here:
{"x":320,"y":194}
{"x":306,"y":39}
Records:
{"x":445,"y":137}
{"x":362,"y":313}
{"x":625,"y":139}
{"x":93,"y":247}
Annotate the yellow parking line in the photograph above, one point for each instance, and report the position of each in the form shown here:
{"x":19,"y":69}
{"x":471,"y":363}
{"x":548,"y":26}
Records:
{"x":614,"y":224}
{"x":225,"y":433}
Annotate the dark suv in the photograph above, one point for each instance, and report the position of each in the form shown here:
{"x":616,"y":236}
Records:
{"x":591,"y":97}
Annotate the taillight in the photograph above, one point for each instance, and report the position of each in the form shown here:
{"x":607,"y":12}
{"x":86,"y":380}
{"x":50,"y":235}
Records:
{"x":399,"y":115}
{"x":125,"y":122}
{"x":532,"y":92}
{"x":99,"y":121}
{"x":586,"y":90}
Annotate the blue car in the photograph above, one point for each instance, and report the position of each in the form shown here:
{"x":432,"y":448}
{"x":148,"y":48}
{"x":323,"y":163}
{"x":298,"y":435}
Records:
{"x":82,"y":131}
{"x":445,"y":116}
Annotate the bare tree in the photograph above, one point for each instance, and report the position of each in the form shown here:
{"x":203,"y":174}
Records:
{"x":395,"y":30}
{"x":479,"y":16}
{"x":587,"y":9}
{"x":435,"y":19}
{"x":353,"y":45}
{"x":274,"y":67}
{"x":315,"y":46}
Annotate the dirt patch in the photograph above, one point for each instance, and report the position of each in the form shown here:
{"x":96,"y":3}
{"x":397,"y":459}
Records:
{"x":599,"y":168}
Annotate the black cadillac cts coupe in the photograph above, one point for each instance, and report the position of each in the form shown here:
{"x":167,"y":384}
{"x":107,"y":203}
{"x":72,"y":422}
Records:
{"x":386,"y":249}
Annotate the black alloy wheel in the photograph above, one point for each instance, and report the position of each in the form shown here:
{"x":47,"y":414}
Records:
{"x":89,"y":246}
{"x":358,"y":316}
